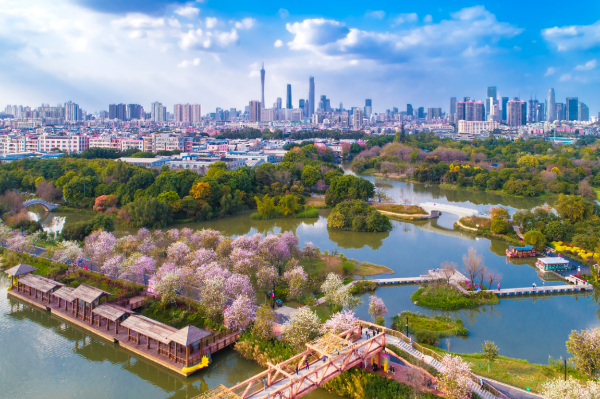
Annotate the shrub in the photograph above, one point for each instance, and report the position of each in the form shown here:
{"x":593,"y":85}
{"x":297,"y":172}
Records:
{"x":499,"y":226}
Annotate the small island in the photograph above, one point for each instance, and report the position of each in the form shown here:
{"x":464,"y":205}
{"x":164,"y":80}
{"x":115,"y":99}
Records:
{"x":358,"y":215}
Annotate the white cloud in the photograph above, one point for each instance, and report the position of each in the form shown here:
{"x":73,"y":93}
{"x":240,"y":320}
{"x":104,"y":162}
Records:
{"x":186,"y":63}
{"x":550,"y":71}
{"x":278,"y":43}
{"x":375,"y":14}
{"x":142,"y":21}
{"x":246,"y":23}
{"x":591,"y":64}
{"x":565,"y":77}
{"x":469,"y":32}
{"x":403,"y":18}
{"x":188,"y":12}
{"x":283,"y":13}
{"x":428,"y":19}
{"x":204,"y":40}
{"x":574,"y":37}
{"x":211,"y":22}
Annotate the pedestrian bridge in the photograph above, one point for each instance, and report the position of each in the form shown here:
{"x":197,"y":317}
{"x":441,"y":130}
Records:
{"x":457,"y":210}
{"x":48,"y":205}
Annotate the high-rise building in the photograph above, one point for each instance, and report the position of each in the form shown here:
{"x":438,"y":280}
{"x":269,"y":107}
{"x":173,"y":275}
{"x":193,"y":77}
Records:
{"x":134,"y":111}
{"x":540,"y":112}
{"x":368,"y":108}
{"x":117,"y":111}
{"x":460,"y":111}
{"x":452,"y":108}
{"x":190,"y":113}
{"x":288,"y":99}
{"x":262,"y":84}
{"x":434,"y":113}
{"x":515,"y":112}
{"x":311,"y":96}
{"x":572,"y":108}
{"x":490,"y":99}
{"x":551,"y":108}
{"x":357,"y":117}
{"x":159,"y":112}
{"x":504,"y":105}
{"x":279,"y":103}
{"x":583,"y":113}
{"x":255,"y":111}
{"x":421,"y":112}
{"x":72,"y":112}
{"x":409,"y":110}
{"x":465,"y":99}
{"x":560,"y":111}
{"x":301,"y":105}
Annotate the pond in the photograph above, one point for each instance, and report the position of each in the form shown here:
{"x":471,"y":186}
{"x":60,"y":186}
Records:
{"x":527,"y":328}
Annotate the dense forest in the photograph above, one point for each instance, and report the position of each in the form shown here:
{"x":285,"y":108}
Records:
{"x":529,"y":167}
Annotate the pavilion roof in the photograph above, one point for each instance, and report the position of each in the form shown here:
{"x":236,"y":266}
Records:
{"x":189,"y":335}
{"x":150,"y":328}
{"x":554,"y":261}
{"x":110,"y":312}
{"x":88,"y":294}
{"x":64,"y":293}
{"x":21,"y":268}
{"x":39,"y":283}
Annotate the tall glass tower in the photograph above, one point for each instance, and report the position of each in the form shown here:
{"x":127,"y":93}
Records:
{"x":551,"y":110}
{"x":262,"y":83}
{"x":311,"y":96}
{"x":288,"y":101}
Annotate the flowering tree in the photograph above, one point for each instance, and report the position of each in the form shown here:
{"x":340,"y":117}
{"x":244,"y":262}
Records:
{"x":296,"y":280}
{"x":240,"y":313}
{"x":5,"y":231}
{"x":127,"y":244}
{"x":99,"y":246}
{"x":302,"y":327}
{"x":337,"y":294}
{"x":340,"y":322}
{"x":17,"y":242}
{"x":168,"y":286}
{"x":203,"y":257}
{"x":570,"y":389}
{"x":377,"y":309}
{"x":266,"y":276}
{"x":178,"y":253}
{"x":263,"y":325}
{"x":137,"y":266}
{"x":309,"y":251}
{"x":585,"y":347}
{"x":455,"y":380}
{"x":67,"y":251}
{"x":209,"y":239}
{"x":113,"y":267}
{"x":213,"y":296}
{"x":239,"y":284}
{"x":173,"y":235}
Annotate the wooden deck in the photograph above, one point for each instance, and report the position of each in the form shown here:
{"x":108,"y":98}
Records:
{"x":121,"y":338}
{"x":551,"y":289}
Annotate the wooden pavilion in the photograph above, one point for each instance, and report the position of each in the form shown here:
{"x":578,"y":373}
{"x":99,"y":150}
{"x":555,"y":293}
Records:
{"x":87,"y":298}
{"x":18,"y":270}
{"x":111,"y":312}
{"x":32,"y":284}
{"x":190,"y":338}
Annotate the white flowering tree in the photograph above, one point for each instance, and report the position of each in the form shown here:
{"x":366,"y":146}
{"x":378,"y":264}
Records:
{"x":240,"y":312}
{"x":585,"y":348}
{"x":168,"y":286}
{"x":17,"y":242}
{"x":213,"y":296}
{"x":570,"y":389}
{"x":337,"y":295}
{"x":302,"y":327}
{"x":99,"y":246}
{"x":266,"y":276}
{"x":377,"y":310}
{"x":455,"y":380}
{"x":67,"y":252}
{"x":296,"y":280}
{"x":5,"y":231}
{"x":340,"y":322}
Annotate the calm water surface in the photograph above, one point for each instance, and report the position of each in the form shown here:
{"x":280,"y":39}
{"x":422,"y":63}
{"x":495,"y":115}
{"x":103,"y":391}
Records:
{"x":527,"y":328}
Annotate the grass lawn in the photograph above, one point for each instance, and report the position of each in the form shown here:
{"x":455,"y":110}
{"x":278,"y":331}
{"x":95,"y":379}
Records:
{"x":445,"y":326}
{"x":179,"y":316}
{"x":515,"y":372}
{"x":334,"y":264}
{"x":403,"y":209}
{"x":445,"y":297}
{"x":315,"y":201}
{"x":104,"y":283}
{"x":476,"y":221}
{"x":45,"y":266}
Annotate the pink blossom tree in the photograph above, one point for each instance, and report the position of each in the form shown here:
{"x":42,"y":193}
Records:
{"x":66,"y":251}
{"x":240,"y":312}
{"x":137,"y":266}
{"x":210,"y":239}
{"x":99,"y":246}
{"x":17,"y":242}
{"x":377,"y":309}
{"x":113,"y":266}
{"x":213,"y":296}
{"x":340,"y":322}
{"x":178,"y":253}
{"x":239,"y":284}
{"x":455,"y":380}
{"x":266,"y":276}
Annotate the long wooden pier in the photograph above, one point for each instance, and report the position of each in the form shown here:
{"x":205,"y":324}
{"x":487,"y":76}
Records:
{"x":431,"y":275}
{"x":551,"y":289}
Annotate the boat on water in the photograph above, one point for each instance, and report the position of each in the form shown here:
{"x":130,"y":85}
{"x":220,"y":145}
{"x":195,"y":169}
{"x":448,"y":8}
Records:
{"x":521,"y":252}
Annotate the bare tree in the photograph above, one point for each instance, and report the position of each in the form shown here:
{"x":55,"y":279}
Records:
{"x":448,"y":270}
{"x":473,"y":263}
{"x":492,"y":276}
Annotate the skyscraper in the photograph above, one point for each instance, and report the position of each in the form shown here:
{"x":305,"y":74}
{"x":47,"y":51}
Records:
{"x":434,"y":113}
{"x":288,"y":100}
{"x":452,"y":108}
{"x":515,"y":110}
{"x":134,"y":111}
{"x":368,"y":108}
{"x":460,"y":111}
{"x":409,"y":110}
{"x":560,"y":111}
{"x":572,"y":108}
{"x":504,"y":105}
{"x":551,"y":110}
{"x":490,"y":99}
{"x":117,"y":111}
{"x":255,"y":111}
{"x":262,"y":84}
{"x":159,"y":113}
{"x":357,"y":117}
{"x":311,"y":96}
{"x":584,"y":112}
{"x":421,"y":112}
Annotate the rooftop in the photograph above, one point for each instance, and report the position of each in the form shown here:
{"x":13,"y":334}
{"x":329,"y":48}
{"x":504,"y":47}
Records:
{"x":20,"y":269}
{"x":88,"y":294}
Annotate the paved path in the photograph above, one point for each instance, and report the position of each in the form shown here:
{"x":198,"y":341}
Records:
{"x":457,"y":210}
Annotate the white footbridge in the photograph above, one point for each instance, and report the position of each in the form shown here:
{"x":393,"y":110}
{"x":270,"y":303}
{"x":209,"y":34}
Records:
{"x":457,"y":210}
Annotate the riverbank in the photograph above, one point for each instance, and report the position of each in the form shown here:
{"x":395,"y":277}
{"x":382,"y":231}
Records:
{"x":402,"y":212}
{"x":458,"y":226}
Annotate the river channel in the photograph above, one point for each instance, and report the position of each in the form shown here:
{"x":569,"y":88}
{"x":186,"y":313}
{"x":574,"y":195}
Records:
{"x":39,"y":345}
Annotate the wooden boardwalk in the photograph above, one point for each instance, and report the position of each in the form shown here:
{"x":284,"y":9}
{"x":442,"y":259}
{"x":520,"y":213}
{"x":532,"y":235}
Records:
{"x":431,"y":275}
{"x":550,"y":289}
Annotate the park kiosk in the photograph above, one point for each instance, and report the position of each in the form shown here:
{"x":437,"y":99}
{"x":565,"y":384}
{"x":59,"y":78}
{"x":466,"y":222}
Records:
{"x":553,"y":264}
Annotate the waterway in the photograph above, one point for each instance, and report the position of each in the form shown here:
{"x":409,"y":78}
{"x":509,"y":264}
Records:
{"x":526,"y":328}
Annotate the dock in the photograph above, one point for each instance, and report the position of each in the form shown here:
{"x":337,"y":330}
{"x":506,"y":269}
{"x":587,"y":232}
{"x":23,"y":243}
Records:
{"x":551,"y":289}
{"x":432,"y":275}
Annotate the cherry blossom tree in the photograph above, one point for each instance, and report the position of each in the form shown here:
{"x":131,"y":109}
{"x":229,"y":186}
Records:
{"x":210,"y":239}
{"x":127,"y":244}
{"x":99,"y":246}
{"x":17,"y":242}
{"x":113,"y":267}
{"x":241,"y":311}
{"x":203,"y":257}
{"x":455,"y":379}
{"x":239,"y":284}
{"x":340,"y":322}
{"x":213,"y":296}
{"x":66,"y":251}
{"x":178,"y":253}
{"x":168,"y":286}
{"x":137,"y":266}
{"x":296,"y":280}
{"x":377,"y":309}
{"x":265,"y":277}
{"x":570,"y":389}
{"x":173,"y":235}
{"x":309,"y":251}
{"x":302,"y":327}
{"x":585,"y":348}
{"x":5,"y":231}
{"x":337,"y":295}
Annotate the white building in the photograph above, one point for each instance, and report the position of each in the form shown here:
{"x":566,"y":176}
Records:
{"x":476,"y":127}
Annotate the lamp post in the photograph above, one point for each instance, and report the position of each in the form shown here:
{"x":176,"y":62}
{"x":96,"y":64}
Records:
{"x":565,"y":359}
{"x":531,"y":225}
{"x":407,"y":326}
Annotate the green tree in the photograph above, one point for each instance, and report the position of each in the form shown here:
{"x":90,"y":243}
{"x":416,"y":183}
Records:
{"x":489,"y":352}
{"x":148,"y":212}
{"x":288,"y":204}
{"x":499,"y":226}
{"x":310,"y":175}
{"x":266,"y":206}
{"x":573,"y":207}
{"x":583,"y":345}
{"x":555,"y":230}
{"x":529,"y":161}
{"x":535,"y":238}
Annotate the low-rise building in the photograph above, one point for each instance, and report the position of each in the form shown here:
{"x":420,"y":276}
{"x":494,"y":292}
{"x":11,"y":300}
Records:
{"x":155,"y":163}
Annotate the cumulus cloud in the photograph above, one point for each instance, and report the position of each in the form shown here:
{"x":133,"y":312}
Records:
{"x":591,"y":64}
{"x":143,"y":21}
{"x":574,"y":37}
{"x":375,"y":14}
{"x":210,"y":22}
{"x":246,"y":23}
{"x":470,"y":32}
{"x":278,"y":43}
{"x":428,"y":19}
{"x":403,"y":18}
{"x":204,"y":40}
{"x":550,"y":71}
{"x":565,"y":77}
{"x":283,"y":13}
{"x":188,"y":12}
{"x":186,"y":63}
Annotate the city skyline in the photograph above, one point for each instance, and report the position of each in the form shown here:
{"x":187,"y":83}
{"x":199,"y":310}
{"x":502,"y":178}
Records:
{"x":100,"y":53}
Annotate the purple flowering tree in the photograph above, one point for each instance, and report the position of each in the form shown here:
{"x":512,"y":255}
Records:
{"x":99,"y":246}
{"x":240,"y":312}
{"x":340,"y":322}
{"x":239,"y":284}
{"x":377,"y":310}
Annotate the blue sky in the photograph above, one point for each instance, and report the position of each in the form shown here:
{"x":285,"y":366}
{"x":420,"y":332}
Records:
{"x":209,"y":52}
